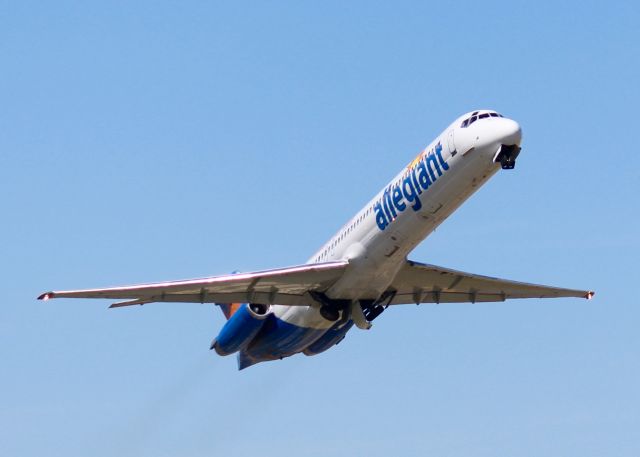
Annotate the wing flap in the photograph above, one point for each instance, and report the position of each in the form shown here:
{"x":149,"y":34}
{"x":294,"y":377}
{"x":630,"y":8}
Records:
{"x":428,"y":296}
{"x":270,"y":298}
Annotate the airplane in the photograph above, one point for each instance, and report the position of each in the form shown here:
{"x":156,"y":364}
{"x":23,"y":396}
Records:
{"x":363,"y":269}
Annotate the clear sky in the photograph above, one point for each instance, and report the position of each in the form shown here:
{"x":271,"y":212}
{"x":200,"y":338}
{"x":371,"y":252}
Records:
{"x":147,"y":141}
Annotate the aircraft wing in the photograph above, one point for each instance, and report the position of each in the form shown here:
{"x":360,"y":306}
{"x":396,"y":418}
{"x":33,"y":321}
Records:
{"x":284,"y":286}
{"x":423,"y":283}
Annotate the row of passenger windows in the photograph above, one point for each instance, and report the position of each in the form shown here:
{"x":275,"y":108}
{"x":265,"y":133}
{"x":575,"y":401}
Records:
{"x":474,"y":117}
{"x":353,"y":225}
{"x":344,"y":233}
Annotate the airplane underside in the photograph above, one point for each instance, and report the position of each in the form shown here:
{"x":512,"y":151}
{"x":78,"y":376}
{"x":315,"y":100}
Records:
{"x":260,"y":333}
{"x":279,"y":339}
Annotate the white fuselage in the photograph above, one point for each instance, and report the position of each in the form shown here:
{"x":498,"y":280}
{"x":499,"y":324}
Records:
{"x":378,"y":238}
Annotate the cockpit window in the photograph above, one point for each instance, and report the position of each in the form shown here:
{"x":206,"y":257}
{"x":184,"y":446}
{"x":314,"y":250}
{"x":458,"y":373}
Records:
{"x":474,"y":117}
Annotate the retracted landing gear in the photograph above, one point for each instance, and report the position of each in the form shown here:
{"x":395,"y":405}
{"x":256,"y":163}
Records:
{"x":507,"y":156}
{"x":361,"y":312}
{"x":330,"y":313}
{"x":330,"y":308}
{"x":373,"y":308}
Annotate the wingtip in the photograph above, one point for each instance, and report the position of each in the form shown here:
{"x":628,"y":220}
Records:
{"x":46,"y":296}
{"x":589,"y":295}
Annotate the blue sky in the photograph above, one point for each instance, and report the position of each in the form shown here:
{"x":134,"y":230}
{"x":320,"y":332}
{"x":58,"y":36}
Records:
{"x":168,"y":140}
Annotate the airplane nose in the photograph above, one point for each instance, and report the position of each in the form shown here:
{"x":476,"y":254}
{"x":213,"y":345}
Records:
{"x":510,"y":132}
{"x":509,"y":137}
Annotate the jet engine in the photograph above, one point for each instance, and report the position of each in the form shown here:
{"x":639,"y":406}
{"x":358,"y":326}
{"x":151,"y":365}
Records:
{"x":241,"y":328}
{"x":333,"y":336}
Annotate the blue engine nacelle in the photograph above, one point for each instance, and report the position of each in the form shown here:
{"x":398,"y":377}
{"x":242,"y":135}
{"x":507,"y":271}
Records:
{"x":333,"y":336}
{"x":241,"y":328}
